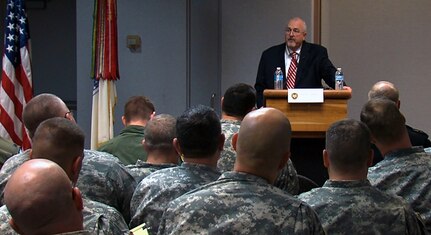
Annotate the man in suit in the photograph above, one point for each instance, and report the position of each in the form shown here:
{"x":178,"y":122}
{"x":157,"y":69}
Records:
{"x":312,"y":59}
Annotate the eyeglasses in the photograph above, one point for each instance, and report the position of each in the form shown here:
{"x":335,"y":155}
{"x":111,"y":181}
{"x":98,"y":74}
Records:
{"x":294,"y":31}
{"x":68,"y":115}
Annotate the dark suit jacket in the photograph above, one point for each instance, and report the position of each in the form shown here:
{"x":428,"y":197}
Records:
{"x":313,"y":66}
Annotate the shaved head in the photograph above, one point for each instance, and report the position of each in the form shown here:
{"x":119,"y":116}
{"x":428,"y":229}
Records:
{"x":263,"y":141}
{"x":384,"y":89}
{"x":41,"y":200}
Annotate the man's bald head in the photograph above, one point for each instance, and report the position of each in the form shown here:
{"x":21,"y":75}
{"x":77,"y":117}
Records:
{"x":41,"y":200}
{"x":384,"y":89}
{"x":61,"y":141}
{"x":263,"y":141}
{"x":41,"y":108}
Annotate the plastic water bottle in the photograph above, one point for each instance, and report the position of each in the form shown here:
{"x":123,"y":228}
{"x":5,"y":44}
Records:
{"x":278,"y":79}
{"x":339,"y":79}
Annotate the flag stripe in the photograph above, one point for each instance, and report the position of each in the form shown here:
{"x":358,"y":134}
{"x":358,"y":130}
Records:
{"x":16,"y":85}
{"x":13,"y":105}
{"x":6,"y":126}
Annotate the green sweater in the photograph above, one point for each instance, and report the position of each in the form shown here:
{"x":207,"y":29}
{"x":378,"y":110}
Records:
{"x":127,"y":146}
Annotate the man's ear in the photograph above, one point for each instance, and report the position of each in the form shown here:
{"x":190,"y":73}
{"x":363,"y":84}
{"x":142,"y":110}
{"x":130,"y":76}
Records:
{"x":370,"y":158}
{"x":284,"y":160}
{"x":123,"y":120}
{"x":177,"y":146}
{"x":77,"y":198}
{"x":14,"y":226}
{"x":221,"y":142}
{"x":234,"y":140}
{"x":325,"y":158}
{"x":76,"y":168}
{"x":145,"y":146}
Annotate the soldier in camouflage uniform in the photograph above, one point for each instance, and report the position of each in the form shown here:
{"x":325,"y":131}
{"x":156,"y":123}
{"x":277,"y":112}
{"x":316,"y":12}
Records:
{"x":405,"y":170}
{"x":103,"y":178}
{"x":237,"y":101}
{"x":37,"y":207}
{"x":243,"y":201}
{"x":385,"y":89}
{"x":159,"y":133}
{"x":40,"y":108}
{"x":98,"y":219}
{"x":62,"y":141}
{"x":199,"y":142}
{"x":347,"y":203}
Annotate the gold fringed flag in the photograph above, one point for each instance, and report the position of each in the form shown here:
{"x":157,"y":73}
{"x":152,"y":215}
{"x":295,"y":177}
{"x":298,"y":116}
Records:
{"x":16,"y":82}
{"x":104,"y":71}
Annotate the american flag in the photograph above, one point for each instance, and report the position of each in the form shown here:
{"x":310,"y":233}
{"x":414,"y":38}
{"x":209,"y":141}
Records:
{"x":16,"y":83}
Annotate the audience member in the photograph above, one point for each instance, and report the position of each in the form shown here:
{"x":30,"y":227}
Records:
{"x":238,"y":100}
{"x":38,"y":207}
{"x":384,"y":89}
{"x":311,"y":65}
{"x":7,"y":150}
{"x":405,"y":170}
{"x":40,"y":108}
{"x":347,"y":203}
{"x":127,"y":146}
{"x":244,"y":201}
{"x":159,"y":135}
{"x":61,"y":141}
{"x":199,"y":142}
{"x":103,"y":178}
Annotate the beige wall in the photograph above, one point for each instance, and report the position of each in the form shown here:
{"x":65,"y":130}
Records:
{"x":376,"y":40}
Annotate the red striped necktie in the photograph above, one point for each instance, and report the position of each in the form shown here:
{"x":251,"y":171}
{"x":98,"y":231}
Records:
{"x":291,"y":74}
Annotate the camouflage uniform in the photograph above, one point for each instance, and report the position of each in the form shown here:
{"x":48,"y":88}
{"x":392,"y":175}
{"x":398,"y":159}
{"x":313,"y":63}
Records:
{"x":356,"y":207}
{"x":287,"y":179}
{"x":228,"y":155}
{"x":98,"y":219}
{"x":5,"y":228}
{"x":7,"y":150}
{"x":9,"y":167}
{"x":75,"y":233}
{"x":142,"y":169}
{"x":104,"y":179}
{"x":154,"y":192}
{"x":239,"y":203}
{"x":102,"y":219}
{"x":406,"y":173}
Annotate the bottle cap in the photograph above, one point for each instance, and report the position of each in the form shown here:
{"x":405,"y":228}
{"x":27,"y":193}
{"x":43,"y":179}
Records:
{"x":278,"y":67}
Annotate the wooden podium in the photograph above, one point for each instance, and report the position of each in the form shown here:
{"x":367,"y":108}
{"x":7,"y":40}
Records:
{"x":310,"y":120}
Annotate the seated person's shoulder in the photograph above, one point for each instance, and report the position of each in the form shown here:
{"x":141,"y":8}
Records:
{"x":418,"y":137}
{"x":93,"y":155}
